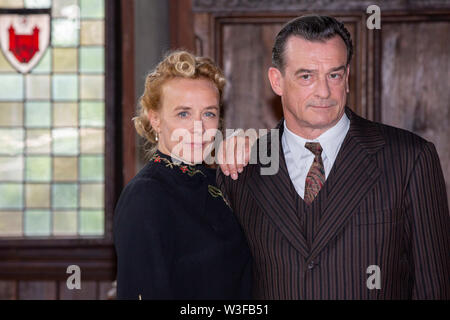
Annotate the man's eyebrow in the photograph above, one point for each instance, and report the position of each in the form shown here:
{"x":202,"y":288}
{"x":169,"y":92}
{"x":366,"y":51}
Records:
{"x":302,"y":70}
{"x":337,"y":68}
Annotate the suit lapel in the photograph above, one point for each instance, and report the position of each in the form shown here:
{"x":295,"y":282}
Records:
{"x":276,"y":196}
{"x":353,"y":175}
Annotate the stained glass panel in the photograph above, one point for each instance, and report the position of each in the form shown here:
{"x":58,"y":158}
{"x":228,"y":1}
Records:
{"x":52,"y":127}
{"x":11,"y":114}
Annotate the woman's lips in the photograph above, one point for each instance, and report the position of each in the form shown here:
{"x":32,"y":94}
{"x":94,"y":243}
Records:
{"x":196,"y":145}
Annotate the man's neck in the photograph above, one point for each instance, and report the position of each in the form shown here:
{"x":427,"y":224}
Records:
{"x":307,"y":132}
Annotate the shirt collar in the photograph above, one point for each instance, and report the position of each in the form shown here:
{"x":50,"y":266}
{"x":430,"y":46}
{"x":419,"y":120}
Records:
{"x":330,"y":140}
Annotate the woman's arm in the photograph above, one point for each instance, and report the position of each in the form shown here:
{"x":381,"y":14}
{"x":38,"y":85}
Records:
{"x":143,"y":243}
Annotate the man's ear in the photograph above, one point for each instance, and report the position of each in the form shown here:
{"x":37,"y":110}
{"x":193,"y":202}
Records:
{"x":276,"y":80}
{"x":155,"y":120}
{"x":347,"y":87}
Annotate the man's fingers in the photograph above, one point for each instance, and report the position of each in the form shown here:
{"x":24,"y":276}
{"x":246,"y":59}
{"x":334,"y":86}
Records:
{"x":234,"y":155}
{"x":221,"y":158}
{"x":229,"y":153}
{"x":247,"y":153}
{"x":233,"y":162}
{"x":225,"y":169}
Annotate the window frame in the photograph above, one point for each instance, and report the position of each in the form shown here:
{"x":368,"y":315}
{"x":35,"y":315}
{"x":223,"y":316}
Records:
{"x":48,"y":258}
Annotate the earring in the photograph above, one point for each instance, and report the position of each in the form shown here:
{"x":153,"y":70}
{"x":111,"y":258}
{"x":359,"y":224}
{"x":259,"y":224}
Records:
{"x":156,"y":137}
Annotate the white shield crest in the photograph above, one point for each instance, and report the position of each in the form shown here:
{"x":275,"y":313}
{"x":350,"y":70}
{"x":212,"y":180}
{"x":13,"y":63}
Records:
{"x":24,"y":37}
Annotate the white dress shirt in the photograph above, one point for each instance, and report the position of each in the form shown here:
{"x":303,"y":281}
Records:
{"x":299,"y":159}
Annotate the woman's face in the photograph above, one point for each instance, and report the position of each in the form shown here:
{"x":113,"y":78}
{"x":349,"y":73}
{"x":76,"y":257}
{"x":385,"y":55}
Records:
{"x":188,"y":118}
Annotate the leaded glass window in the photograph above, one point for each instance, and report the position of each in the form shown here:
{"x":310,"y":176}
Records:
{"x":52,"y":127}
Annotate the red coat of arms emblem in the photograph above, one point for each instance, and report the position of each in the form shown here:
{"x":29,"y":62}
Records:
{"x":24,"y":37}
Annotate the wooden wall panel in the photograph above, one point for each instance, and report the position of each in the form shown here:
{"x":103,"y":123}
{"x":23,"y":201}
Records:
{"x":56,"y":290}
{"x":8,"y":290}
{"x":88,"y":291}
{"x":415,"y":75}
{"x":244,"y":52}
{"x":245,"y":63}
{"x":399,"y":75}
{"x":37,"y":290}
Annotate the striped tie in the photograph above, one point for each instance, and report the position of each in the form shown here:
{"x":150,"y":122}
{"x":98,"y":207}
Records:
{"x":316,"y":174}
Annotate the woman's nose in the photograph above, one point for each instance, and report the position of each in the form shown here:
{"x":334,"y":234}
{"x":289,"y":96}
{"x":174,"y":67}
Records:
{"x":198,"y":127}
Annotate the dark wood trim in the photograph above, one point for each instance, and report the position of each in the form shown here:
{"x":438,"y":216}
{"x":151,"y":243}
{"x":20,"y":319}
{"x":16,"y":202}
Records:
{"x":181,"y":25}
{"x":368,"y":78}
{"x":128,"y":90}
{"x":219,"y":20}
{"x":50,"y":263}
{"x":113,"y":93}
{"x":376,"y":85}
{"x":48,"y":258}
{"x":310,"y":6}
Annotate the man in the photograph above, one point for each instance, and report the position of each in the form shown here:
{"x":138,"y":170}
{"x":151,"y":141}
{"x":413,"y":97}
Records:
{"x":357,"y":209}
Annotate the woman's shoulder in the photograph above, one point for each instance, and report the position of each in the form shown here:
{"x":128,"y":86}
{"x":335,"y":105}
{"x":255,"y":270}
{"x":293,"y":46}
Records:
{"x":148,"y":189}
{"x":148,"y":185}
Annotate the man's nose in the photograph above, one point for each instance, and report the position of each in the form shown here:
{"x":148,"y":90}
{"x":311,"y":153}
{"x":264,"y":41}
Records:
{"x":322,"y":88}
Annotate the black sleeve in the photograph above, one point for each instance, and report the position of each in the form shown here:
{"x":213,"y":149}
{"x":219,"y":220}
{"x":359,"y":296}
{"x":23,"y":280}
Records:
{"x":428,"y":223}
{"x":143,"y":244}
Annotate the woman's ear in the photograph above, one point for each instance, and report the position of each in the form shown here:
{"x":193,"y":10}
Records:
{"x":276,"y":80}
{"x":155,"y":120}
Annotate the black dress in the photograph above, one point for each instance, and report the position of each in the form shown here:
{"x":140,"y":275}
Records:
{"x":177,"y":238}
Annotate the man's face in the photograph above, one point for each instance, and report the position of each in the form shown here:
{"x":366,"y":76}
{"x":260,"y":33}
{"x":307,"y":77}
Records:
{"x":313,"y":85}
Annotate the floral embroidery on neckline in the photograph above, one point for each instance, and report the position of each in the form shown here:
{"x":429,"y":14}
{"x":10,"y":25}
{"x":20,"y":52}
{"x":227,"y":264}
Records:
{"x":190,"y":170}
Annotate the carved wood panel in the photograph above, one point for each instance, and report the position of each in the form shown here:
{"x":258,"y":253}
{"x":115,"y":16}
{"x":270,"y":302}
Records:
{"x":242,"y":45}
{"x":399,"y":74}
{"x":415,"y":77}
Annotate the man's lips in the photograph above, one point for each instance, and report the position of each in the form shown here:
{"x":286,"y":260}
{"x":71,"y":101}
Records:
{"x":321,"y":107}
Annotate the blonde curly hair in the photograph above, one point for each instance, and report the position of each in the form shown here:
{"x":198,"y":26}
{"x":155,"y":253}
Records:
{"x":176,"y":64}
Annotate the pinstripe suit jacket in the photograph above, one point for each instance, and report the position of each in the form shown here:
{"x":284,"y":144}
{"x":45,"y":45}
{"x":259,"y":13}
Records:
{"x":384,"y":203}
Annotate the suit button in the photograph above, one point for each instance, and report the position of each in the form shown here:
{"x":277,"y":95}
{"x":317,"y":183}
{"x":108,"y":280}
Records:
{"x":311,"y":265}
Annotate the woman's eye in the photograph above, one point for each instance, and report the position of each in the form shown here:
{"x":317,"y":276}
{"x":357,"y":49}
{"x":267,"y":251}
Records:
{"x":182,"y":114}
{"x":210,"y":114}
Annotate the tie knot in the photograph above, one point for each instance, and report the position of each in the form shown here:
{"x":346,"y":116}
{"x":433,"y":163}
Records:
{"x":314,"y":147}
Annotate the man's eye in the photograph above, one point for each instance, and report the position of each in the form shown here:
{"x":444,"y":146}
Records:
{"x":335,"y":76}
{"x":182,"y":114}
{"x":306,"y":76}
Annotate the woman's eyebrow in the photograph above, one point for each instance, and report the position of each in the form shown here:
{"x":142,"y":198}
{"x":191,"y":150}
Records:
{"x":181,"y":108}
{"x":212,"y":107}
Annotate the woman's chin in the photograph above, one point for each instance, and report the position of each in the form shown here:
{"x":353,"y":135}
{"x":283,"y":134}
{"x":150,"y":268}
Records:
{"x":193,"y":154}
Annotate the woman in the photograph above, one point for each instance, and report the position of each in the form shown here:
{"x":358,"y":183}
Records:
{"x":174,"y":233}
